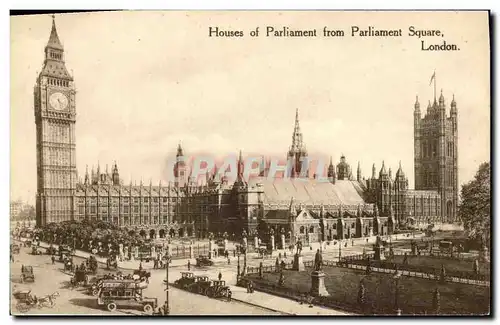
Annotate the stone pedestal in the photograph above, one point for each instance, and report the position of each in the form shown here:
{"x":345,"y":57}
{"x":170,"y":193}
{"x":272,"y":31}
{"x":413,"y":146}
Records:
{"x":136,"y":252}
{"x":379,"y":253}
{"x":256,"y":241}
{"x":298,"y":263}
{"x":272,"y":243}
{"x":318,"y":284}
{"x":283,"y":243}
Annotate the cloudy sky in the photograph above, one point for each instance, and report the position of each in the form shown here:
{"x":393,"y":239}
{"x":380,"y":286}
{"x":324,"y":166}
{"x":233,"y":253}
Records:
{"x":147,"y":80}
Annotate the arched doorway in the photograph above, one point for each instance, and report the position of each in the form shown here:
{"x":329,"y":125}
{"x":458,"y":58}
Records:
{"x":190,"y":231}
{"x":162,"y":233}
{"x":142,"y":233}
{"x":152,"y":233}
{"x":181,"y":232}
{"x":171,"y":233}
{"x":449,"y":211}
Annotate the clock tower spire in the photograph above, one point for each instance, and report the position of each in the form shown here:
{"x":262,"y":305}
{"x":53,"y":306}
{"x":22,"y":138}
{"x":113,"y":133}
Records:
{"x":55,"y":117}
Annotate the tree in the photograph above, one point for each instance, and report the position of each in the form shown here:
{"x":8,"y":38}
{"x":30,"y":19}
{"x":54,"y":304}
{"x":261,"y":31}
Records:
{"x":475,"y":209}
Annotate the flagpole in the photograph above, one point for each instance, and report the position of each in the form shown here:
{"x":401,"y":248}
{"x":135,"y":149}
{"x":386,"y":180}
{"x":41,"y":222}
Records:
{"x":434,"y":85}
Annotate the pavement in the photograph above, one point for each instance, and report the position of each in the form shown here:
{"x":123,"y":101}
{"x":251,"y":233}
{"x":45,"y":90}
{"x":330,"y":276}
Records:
{"x":279,"y":304}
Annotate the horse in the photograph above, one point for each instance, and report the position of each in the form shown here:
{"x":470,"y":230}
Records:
{"x":48,"y":300}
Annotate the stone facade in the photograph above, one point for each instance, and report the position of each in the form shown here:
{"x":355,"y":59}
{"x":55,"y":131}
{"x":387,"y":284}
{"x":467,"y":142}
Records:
{"x":307,"y":209}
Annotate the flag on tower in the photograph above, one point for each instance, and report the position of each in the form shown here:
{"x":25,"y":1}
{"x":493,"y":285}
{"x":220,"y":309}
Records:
{"x":433,"y":77}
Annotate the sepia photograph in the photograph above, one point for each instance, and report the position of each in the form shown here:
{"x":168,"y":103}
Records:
{"x":284,"y":163}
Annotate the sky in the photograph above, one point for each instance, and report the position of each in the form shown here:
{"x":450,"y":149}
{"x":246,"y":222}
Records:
{"x":146,"y":81}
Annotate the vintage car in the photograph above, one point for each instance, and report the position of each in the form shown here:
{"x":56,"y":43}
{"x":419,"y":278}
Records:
{"x":200,"y":285}
{"x":218,"y":289}
{"x":15,"y":249}
{"x":203,"y":260}
{"x":27,"y":273}
{"x":127,"y":294}
{"x":64,"y":254}
{"x":186,"y":279}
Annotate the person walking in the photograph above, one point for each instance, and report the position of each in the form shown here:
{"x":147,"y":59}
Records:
{"x":220,"y":275}
{"x":228,"y":260}
{"x":189,"y":265}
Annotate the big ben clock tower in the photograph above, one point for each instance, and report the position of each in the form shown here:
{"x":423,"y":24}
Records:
{"x":55,"y":116}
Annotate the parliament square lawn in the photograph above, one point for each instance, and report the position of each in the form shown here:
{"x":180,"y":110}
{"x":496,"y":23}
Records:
{"x":415,"y":294}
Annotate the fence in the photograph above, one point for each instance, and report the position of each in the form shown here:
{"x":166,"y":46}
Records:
{"x":268,"y":268}
{"x":436,"y":276}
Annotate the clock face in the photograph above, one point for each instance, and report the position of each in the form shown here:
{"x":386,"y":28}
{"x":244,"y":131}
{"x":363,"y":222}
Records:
{"x":58,"y":101}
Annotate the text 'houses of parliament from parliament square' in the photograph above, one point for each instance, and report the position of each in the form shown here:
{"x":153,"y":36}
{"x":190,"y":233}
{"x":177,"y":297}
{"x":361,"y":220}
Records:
{"x":343,"y":207}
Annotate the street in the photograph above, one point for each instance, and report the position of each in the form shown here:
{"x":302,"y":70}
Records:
{"x":51,"y":278}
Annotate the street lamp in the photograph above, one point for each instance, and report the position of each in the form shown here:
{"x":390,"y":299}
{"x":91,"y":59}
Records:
{"x":167,"y":303}
{"x":397,"y":276}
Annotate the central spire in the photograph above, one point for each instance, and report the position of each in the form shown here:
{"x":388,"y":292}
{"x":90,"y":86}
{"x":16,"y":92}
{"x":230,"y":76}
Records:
{"x":54,"y":41}
{"x":297,"y":134}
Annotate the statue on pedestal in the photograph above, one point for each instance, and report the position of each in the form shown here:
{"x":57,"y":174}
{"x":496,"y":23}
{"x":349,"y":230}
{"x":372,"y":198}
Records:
{"x":299,"y":247}
{"x":318,"y":261}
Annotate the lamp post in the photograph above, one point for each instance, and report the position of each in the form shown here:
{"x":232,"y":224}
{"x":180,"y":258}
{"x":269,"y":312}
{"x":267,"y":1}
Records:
{"x":167,"y":303}
{"x":397,"y":276}
{"x":340,"y":249}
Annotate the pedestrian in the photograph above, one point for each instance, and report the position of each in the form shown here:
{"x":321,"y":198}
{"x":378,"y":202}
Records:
{"x":140,"y":266}
{"x":234,"y":253}
{"x":228,"y":260}
{"x":229,"y":294}
{"x":284,"y":254}
{"x":220,"y":275}
{"x":189,"y":265}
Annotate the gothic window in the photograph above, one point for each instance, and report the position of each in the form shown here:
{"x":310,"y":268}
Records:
{"x":146,"y":208}
{"x":125,"y":200}
{"x":136,"y":200}
{"x":311,"y":230}
{"x":155,"y":200}
{"x":136,"y":209}
{"x":92,"y":209}
{"x":81,"y":210}
{"x":165,"y":199}
{"x":434,"y":148}
{"x":424,"y":149}
{"x":125,"y":209}
{"x":352,"y":226}
{"x":146,"y":200}
{"x":302,"y":230}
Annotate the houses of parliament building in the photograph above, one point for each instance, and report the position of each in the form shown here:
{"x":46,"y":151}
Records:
{"x":342,"y":207}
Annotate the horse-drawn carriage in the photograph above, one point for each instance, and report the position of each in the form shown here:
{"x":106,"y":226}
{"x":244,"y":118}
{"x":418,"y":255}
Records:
{"x":80,"y":278}
{"x":26,"y":301}
{"x":27,"y":273}
{"x":35,"y":251}
{"x":51,"y":250}
{"x":91,"y":264}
